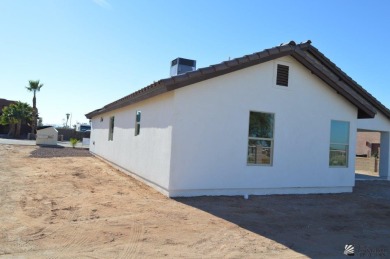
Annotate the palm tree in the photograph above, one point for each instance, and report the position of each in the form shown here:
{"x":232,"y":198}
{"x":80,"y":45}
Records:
{"x":14,"y":115}
{"x":34,"y":86}
{"x":22,"y":112}
{"x":7,"y":118}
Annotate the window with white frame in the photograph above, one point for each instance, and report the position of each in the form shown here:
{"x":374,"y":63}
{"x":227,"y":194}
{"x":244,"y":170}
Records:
{"x":137,"y":123}
{"x":111,"y":129}
{"x":339,"y":144}
{"x":260,"y":138}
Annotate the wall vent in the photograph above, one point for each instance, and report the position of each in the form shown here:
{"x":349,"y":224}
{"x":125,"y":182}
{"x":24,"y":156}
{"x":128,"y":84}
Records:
{"x":182,"y":65}
{"x":282,"y":75}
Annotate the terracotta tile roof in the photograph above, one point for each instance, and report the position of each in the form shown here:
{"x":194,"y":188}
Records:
{"x":304,"y":52}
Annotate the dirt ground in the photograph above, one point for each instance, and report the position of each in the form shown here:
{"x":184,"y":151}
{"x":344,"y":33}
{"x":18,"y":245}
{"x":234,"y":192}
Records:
{"x":79,"y":207}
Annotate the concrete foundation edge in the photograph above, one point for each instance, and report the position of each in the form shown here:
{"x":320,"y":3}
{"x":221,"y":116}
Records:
{"x":259,"y":191}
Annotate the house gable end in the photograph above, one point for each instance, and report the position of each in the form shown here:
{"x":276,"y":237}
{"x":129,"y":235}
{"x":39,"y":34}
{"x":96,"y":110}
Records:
{"x":344,"y":77}
{"x":366,"y":110}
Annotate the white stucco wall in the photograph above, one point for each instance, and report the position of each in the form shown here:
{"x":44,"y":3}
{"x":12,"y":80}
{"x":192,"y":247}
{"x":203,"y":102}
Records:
{"x":210,"y":134}
{"x":147,"y":155}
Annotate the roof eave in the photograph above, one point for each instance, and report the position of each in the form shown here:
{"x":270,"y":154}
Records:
{"x":344,"y":77}
{"x":366,"y":110}
{"x":170,"y":84}
{"x":321,"y":66}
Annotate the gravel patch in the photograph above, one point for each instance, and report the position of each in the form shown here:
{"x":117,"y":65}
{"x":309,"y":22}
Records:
{"x":58,"y":151}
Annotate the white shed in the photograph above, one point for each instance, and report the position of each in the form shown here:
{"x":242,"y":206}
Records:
{"x":47,"y":135}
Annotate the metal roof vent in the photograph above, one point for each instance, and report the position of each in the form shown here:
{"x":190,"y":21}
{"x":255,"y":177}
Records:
{"x":282,"y":75}
{"x":182,"y":65}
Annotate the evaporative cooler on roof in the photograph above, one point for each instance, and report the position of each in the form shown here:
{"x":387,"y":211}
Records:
{"x":182,"y":65}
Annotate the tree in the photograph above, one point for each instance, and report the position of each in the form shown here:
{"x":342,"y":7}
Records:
{"x":7,"y":118}
{"x":14,"y":115}
{"x":34,"y":86}
{"x":23,"y":113}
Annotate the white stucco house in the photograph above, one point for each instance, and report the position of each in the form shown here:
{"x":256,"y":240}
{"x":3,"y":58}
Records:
{"x":280,"y":121}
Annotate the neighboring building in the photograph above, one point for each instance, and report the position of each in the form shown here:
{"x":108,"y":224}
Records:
{"x":367,"y":152}
{"x":4,"y":103}
{"x":368,"y":143}
{"x":283,"y":120}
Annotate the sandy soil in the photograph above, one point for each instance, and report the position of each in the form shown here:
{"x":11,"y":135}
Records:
{"x":79,"y":207}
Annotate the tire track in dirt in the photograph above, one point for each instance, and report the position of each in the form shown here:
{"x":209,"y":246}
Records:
{"x":32,"y":222}
{"x":83,"y":242}
{"x":67,"y":216}
{"x":74,"y":242}
{"x":11,"y":240}
{"x":34,"y":208}
{"x":11,"y":244}
{"x":133,"y":247}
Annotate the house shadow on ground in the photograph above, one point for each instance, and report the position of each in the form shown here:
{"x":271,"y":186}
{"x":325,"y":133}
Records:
{"x":317,"y":226}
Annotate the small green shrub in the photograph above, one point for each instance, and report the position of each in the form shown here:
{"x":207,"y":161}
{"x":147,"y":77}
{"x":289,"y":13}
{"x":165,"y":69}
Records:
{"x":73,"y":142}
